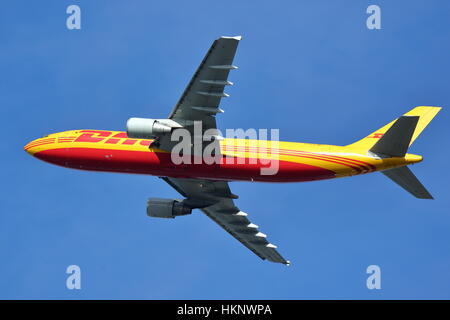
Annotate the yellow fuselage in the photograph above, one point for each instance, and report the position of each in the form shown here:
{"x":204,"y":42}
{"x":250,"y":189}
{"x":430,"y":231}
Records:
{"x":241,"y":159}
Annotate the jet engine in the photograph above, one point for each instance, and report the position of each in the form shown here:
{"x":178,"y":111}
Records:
{"x":141,"y":128}
{"x":166,"y":208}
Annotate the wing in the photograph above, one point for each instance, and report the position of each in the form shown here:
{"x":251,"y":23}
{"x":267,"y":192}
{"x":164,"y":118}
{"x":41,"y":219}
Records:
{"x":216,"y":201}
{"x":201,"y":98}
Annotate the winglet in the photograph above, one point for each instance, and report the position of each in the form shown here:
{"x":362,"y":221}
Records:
{"x":238,"y":38}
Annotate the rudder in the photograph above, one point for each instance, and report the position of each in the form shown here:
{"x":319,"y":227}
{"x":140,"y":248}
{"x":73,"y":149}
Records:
{"x":395,"y":142}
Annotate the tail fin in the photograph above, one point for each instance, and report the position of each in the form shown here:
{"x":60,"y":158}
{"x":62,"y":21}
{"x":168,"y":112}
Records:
{"x":408,"y":181}
{"x":425,"y":115}
{"x":395,"y":142}
{"x":394,"y":139}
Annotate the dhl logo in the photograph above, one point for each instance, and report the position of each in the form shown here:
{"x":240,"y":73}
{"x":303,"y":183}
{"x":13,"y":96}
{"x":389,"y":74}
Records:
{"x":109,"y":137}
{"x":105,"y":138}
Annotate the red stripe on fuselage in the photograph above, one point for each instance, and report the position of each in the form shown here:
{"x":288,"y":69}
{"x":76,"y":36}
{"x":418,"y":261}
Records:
{"x":40,"y":141}
{"x":160,"y":164}
{"x":357,"y":169}
{"x":304,"y":154}
{"x":28,"y":146}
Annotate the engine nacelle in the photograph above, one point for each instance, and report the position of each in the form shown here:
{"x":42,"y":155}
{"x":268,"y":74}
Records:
{"x":141,"y":128}
{"x":166,"y":208}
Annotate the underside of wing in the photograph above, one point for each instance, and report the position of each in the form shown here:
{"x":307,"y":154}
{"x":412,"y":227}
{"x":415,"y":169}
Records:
{"x":236,"y":223}
{"x":197,"y":107}
{"x":201,"y":98}
{"x":215,"y":199}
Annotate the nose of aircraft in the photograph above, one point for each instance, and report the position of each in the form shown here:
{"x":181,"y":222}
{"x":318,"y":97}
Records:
{"x":38,"y":145}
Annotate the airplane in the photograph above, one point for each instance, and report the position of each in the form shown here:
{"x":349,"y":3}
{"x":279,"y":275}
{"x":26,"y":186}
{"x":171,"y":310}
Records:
{"x":147,"y":148}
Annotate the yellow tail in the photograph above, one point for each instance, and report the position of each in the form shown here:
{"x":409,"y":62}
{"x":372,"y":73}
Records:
{"x":426,"y":114}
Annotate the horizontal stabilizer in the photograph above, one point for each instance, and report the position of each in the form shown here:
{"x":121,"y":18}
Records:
{"x":408,"y":181}
{"x":395,"y":142}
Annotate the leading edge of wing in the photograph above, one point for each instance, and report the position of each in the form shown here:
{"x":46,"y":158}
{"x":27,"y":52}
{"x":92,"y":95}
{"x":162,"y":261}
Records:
{"x":217,"y":203}
{"x":218,"y":60}
{"x":248,"y":234}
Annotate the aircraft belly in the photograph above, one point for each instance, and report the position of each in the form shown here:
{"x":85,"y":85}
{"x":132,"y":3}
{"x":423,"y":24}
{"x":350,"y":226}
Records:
{"x":160,"y":164}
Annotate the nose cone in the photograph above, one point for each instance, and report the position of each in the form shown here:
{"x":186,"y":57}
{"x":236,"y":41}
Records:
{"x":29,"y":147}
{"x":38,"y":145}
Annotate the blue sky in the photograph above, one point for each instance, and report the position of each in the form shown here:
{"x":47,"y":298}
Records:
{"x":310,"y":68}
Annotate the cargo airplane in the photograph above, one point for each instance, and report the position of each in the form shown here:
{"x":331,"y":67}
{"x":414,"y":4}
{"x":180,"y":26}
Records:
{"x":146,"y":148}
